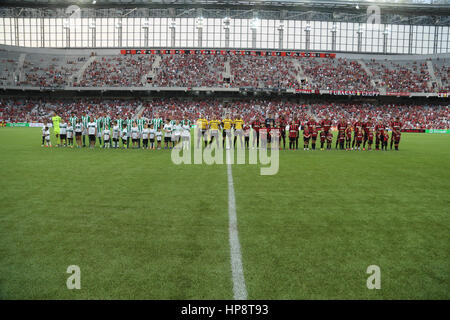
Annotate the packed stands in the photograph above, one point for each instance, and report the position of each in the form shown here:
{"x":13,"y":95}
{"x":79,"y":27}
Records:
{"x":336,"y":74}
{"x":191,"y":71}
{"x":413,"y":116}
{"x":116,"y":71}
{"x":401,"y":76}
{"x":263,"y":72}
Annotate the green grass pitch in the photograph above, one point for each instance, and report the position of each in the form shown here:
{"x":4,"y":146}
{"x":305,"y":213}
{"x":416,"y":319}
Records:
{"x":141,"y":227}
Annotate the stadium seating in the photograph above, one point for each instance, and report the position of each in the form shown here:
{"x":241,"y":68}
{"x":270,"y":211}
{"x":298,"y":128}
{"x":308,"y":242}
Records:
{"x":322,"y":74}
{"x":45,"y":70}
{"x":191,"y":71}
{"x":401,"y":76}
{"x":116,"y":71}
{"x":8,"y":67}
{"x":262,"y":72}
{"x":49,"y":70}
{"x":442,"y":70}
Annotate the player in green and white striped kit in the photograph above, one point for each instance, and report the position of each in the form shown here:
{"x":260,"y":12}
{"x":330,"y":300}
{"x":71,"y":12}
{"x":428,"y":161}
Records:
{"x":140,"y":124}
{"x":107,"y":121}
{"x":157,"y":123}
{"x":73,"y":120}
{"x":84,"y":122}
{"x":99,"y":123}
{"x":129,"y":123}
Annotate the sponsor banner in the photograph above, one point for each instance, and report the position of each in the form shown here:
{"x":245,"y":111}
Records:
{"x":306,"y":91}
{"x":17,"y":124}
{"x":231,"y":52}
{"x":437,"y":131}
{"x":414,"y":130}
{"x":399,"y":94}
{"x":443,"y":94}
{"x":36,"y":125}
{"x":354,"y":93}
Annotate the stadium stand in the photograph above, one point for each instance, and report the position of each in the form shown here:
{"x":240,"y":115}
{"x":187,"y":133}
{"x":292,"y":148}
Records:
{"x":414,"y":116}
{"x":191,"y":71}
{"x":322,"y":74}
{"x":116,"y":71}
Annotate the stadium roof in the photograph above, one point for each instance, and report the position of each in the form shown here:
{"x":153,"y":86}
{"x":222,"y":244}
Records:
{"x":420,"y":12}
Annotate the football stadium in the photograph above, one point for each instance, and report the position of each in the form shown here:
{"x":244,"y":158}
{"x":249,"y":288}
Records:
{"x":225,"y":150}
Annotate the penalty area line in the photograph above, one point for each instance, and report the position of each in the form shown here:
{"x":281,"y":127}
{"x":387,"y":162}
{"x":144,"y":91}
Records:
{"x":239,"y":288}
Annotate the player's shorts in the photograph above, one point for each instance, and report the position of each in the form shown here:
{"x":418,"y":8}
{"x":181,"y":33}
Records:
{"x":238,"y":132}
{"x":104,"y":140}
{"x":152,"y":140}
{"x":124,"y":141}
{"x":63,"y":136}
{"x":92,"y":137}
{"x":135,"y":140}
{"x":306,"y":139}
{"x":56,"y":130}
{"x":77,"y":134}
{"x":166,"y":139}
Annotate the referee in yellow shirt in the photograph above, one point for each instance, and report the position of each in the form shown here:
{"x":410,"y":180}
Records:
{"x":227,"y":123}
{"x":202,"y":126}
{"x":238,"y":130}
{"x":214,"y":127}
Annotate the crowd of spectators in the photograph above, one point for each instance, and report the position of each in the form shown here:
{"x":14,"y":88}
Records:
{"x":55,"y":71}
{"x":442,"y":71}
{"x":116,"y":71}
{"x":336,"y":74}
{"x":190,"y":71}
{"x":263,"y":71}
{"x":44,"y":70}
{"x":40,"y":110}
{"x":402,"y":76}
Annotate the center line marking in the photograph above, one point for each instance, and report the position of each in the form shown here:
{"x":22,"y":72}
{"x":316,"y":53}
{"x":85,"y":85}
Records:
{"x":239,"y":289}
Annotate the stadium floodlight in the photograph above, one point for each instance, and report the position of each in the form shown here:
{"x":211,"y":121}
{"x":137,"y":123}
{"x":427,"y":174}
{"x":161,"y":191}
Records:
{"x":173,"y":24}
{"x":308,"y":27}
{"x":357,"y":7}
{"x":66,"y":24}
{"x":334,"y":28}
{"x":281,"y":26}
{"x":92,"y":25}
{"x":94,"y":1}
{"x":254,"y":23}
{"x":146,"y":24}
{"x":118,"y":25}
{"x":226,"y":23}
{"x":386,"y":31}
{"x":199,"y":23}
{"x":361,"y":29}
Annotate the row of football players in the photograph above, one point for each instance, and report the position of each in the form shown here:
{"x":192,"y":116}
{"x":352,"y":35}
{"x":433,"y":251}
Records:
{"x":151,"y":134}
{"x":364,"y":132}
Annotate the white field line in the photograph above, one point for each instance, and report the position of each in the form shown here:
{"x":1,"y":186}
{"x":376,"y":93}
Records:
{"x":239,"y":289}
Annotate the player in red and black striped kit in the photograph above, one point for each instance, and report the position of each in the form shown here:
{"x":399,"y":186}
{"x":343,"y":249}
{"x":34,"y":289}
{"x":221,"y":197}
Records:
{"x":306,"y":137}
{"x":282,"y":125}
{"x":342,"y":125}
{"x":297,"y":125}
{"x":256,"y":125}
{"x":293,"y":135}
{"x":366,"y":128}
{"x":348,"y":138}
{"x":326,"y":125}
{"x":379,"y":135}
{"x":323,"y":137}
{"x":314,"y":133}
{"x":396,"y":127}
{"x":356,"y":127}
